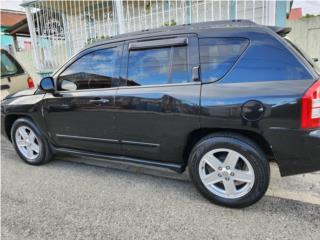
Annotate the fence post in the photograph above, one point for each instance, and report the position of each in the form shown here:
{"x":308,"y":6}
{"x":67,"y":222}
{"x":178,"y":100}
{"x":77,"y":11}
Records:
{"x":281,"y":12}
{"x":120,"y":16}
{"x":33,"y":37}
{"x":189,"y":11}
{"x":232,"y":9}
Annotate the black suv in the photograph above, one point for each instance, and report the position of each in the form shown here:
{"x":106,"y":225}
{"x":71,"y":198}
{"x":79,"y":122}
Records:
{"x":223,"y":98}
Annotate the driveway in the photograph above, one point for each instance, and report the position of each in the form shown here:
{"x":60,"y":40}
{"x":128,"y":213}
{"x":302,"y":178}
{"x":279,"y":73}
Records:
{"x":70,"y":199}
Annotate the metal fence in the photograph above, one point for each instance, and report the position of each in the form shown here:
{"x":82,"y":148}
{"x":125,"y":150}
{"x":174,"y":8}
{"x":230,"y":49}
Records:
{"x":61,"y":28}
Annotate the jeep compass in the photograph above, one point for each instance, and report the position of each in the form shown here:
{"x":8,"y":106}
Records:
{"x":219,"y":98}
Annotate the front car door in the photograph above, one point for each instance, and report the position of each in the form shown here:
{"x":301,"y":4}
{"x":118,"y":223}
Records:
{"x":157,"y":102}
{"x":82,"y":116}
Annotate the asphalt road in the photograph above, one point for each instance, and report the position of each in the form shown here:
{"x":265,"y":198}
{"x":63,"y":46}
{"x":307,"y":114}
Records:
{"x":66,"y":199}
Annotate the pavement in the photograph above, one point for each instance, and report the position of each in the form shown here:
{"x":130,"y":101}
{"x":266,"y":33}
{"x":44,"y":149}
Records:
{"x":80,"y":198}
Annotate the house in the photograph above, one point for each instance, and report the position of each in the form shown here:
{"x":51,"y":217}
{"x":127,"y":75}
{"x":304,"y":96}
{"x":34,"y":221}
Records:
{"x":59,"y":29}
{"x":8,"y":19}
{"x":295,"y":14}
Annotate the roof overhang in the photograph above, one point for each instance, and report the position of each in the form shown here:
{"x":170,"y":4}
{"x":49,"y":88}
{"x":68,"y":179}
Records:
{"x":19,"y":29}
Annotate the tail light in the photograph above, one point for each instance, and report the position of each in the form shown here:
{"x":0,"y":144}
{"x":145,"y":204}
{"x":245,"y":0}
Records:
{"x":30,"y":82}
{"x":311,"y":107}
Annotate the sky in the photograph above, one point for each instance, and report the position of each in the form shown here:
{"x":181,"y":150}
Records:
{"x":308,"y":6}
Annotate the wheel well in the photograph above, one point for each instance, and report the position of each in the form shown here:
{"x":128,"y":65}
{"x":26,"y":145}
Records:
{"x":196,"y":135}
{"x":9,"y":120}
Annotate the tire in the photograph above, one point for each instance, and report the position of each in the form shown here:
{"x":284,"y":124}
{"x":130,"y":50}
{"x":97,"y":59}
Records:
{"x":246,"y":180}
{"x":26,"y":135}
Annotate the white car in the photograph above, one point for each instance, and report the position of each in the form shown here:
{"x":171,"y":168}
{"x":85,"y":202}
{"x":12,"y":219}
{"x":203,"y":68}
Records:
{"x":13,"y":77}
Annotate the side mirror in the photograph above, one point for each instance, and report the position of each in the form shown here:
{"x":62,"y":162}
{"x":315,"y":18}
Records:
{"x":47,"y":84}
{"x":68,"y":85}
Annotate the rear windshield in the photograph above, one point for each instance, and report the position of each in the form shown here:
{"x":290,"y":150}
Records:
{"x":9,"y":66}
{"x":303,"y":55}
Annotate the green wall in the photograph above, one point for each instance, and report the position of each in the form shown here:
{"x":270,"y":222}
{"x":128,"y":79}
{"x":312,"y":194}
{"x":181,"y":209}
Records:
{"x":6,"y":40}
{"x":282,"y":8}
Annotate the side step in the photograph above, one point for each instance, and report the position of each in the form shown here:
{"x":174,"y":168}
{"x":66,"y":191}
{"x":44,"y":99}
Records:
{"x":179,"y":168}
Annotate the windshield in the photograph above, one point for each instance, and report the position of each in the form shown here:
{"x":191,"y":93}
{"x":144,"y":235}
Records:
{"x":303,"y":55}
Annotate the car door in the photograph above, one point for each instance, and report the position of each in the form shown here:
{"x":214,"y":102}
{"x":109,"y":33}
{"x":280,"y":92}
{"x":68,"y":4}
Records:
{"x":80,"y":115}
{"x":158,"y":102}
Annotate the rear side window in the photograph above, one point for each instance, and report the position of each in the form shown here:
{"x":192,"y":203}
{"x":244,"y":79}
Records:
{"x":267,"y":59}
{"x":148,"y":67}
{"x":158,"y":66}
{"x":303,"y":55}
{"x":98,"y":69}
{"x":218,"y":55}
{"x":9,"y":67}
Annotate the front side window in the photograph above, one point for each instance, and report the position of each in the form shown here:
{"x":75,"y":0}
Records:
{"x":158,"y":66}
{"x":217,"y":56}
{"x":98,"y":69}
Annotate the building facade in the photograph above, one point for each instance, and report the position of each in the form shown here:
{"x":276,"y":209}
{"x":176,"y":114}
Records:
{"x":59,"y":29}
{"x":8,"y":19}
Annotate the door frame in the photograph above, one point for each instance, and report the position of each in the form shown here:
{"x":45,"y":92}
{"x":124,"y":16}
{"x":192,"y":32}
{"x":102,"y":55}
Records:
{"x":193,"y":60}
{"x":81,"y":92}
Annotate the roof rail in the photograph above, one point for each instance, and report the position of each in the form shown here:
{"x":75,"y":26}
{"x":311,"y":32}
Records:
{"x":200,"y":25}
{"x":191,"y":26}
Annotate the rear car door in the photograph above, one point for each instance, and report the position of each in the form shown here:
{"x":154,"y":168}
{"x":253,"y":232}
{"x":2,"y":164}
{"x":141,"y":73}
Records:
{"x":83,"y":118}
{"x":157,"y":101}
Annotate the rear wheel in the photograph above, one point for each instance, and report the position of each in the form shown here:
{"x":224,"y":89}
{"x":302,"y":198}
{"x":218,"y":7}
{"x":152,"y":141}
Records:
{"x":29,"y":143}
{"x":229,"y":170}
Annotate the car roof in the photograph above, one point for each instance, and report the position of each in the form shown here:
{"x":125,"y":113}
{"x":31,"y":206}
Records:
{"x":189,"y":28}
{"x":186,"y":28}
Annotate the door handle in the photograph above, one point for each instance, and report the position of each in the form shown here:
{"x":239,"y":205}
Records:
{"x":196,"y":74}
{"x":99,"y":101}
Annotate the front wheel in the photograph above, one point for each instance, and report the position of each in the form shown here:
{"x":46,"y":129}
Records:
{"x":29,"y":143}
{"x":229,"y":170}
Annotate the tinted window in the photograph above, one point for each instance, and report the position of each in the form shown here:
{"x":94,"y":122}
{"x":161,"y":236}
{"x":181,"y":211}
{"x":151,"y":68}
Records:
{"x":267,"y":59}
{"x":149,"y":66}
{"x":158,"y":66}
{"x":303,"y":54}
{"x":217,"y":56}
{"x":98,"y":69}
{"x":181,"y":70}
{"x":9,"y":66}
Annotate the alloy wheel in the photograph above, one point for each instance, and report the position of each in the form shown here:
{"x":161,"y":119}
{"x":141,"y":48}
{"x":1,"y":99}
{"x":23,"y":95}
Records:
{"x":27,"y":142}
{"x":226,"y":173}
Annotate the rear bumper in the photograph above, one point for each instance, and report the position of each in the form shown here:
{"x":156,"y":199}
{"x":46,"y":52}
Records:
{"x":296,"y":151}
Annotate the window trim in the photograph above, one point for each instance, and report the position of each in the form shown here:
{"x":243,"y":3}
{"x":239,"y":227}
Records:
{"x":162,"y":43}
{"x":160,"y":85}
{"x":84,"y":53}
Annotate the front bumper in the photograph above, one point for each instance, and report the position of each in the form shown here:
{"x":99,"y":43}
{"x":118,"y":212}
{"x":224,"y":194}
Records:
{"x":296,"y":151}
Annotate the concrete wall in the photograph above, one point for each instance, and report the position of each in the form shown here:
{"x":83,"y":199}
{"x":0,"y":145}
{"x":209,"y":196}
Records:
{"x":25,"y":58}
{"x":306,"y":35}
